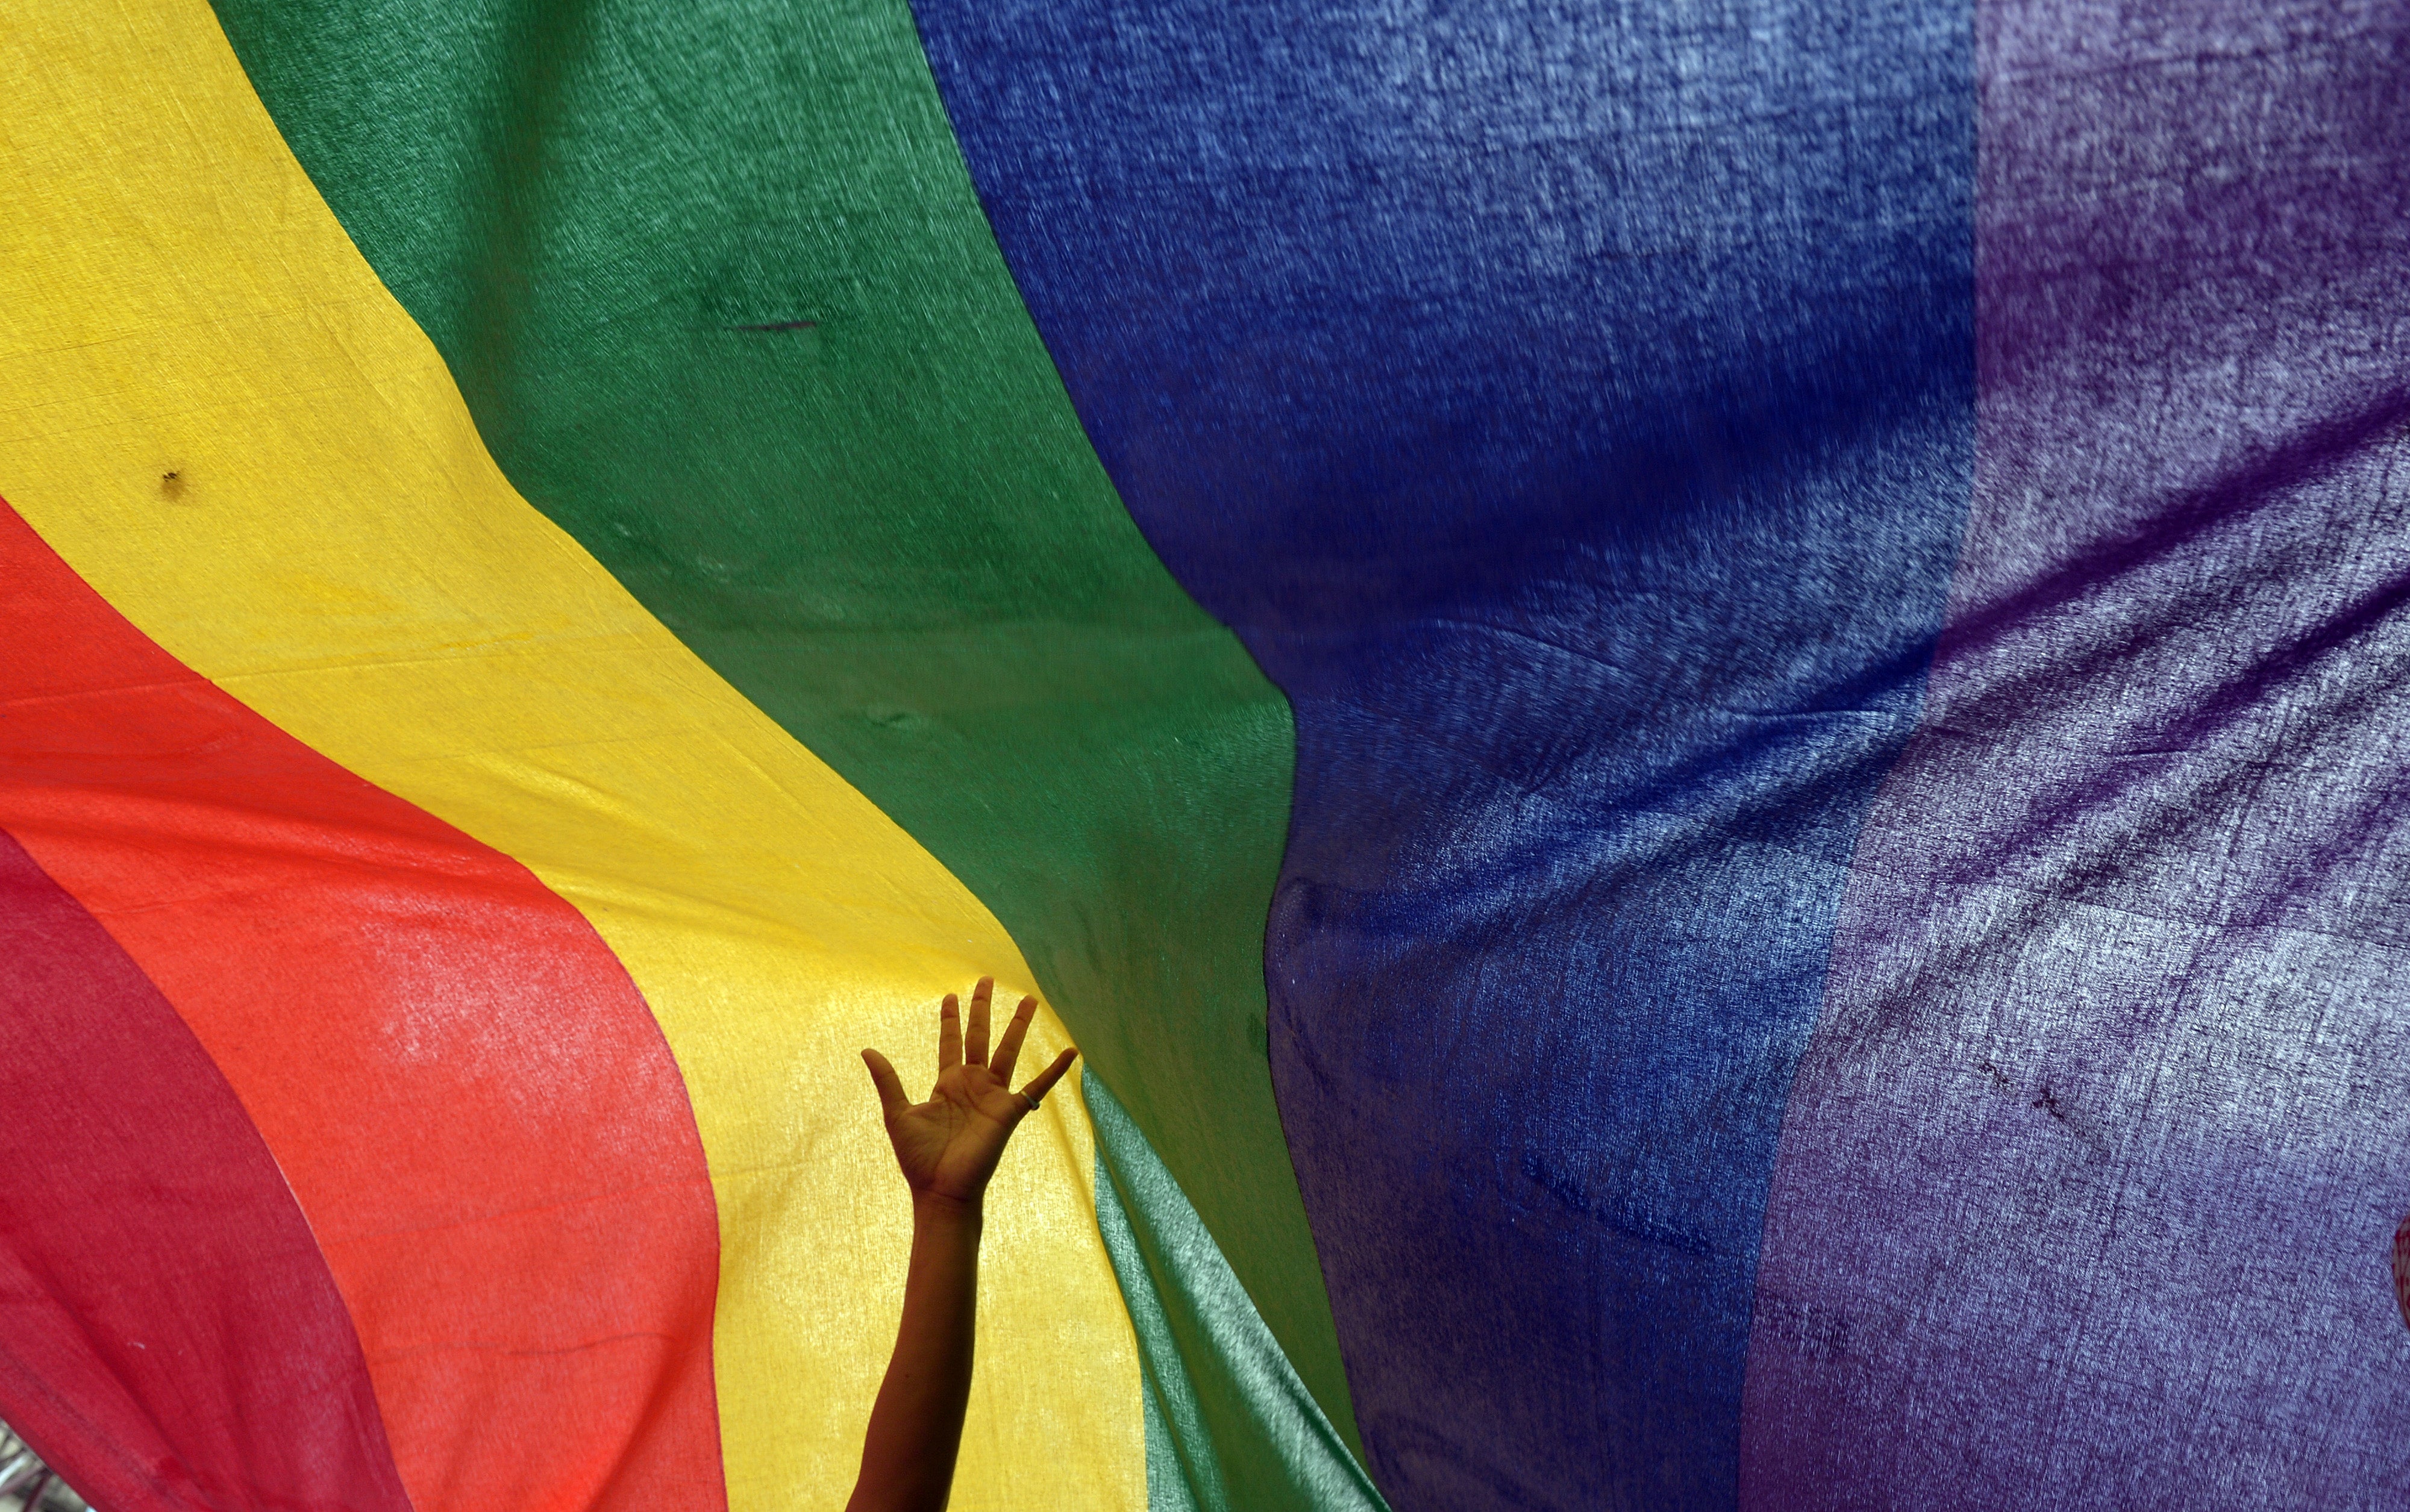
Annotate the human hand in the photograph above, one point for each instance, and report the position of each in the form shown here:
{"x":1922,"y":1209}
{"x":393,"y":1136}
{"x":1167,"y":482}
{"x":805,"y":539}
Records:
{"x":948,"y":1146}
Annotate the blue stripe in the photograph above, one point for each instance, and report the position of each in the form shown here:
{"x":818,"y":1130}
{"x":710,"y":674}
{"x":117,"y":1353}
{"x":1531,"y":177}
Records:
{"x":1572,"y":406}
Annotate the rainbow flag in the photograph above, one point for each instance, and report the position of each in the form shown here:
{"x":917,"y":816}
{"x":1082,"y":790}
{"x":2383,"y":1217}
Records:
{"x":1698,"y":708}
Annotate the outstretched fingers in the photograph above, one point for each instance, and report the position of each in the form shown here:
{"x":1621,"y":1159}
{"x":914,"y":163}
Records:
{"x":1007,"y":1050}
{"x":950,"y":1034}
{"x":890,"y":1090}
{"x":1044,"y":1080}
{"x":975,"y":1052}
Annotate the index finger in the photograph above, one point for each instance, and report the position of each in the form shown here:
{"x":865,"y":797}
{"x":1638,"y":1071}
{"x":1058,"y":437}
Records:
{"x":949,"y":1033}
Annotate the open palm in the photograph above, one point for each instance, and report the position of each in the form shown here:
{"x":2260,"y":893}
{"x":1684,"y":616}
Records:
{"x":948,"y":1145}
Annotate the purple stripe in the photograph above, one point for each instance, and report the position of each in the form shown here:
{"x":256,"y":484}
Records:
{"x":2088,"y":1182}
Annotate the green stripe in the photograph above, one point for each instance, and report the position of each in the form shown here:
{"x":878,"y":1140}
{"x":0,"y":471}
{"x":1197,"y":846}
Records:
{"x":884,"y":527}
{"x":1194,"y":1324}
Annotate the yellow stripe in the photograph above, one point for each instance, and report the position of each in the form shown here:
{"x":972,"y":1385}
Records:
{"x":344,"y":556}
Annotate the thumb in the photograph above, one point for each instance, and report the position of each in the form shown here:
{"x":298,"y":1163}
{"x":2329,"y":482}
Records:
{"x":892,"y":1099}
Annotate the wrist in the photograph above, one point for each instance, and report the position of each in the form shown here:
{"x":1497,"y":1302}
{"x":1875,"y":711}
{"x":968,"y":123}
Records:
{"x":939,"y":1208}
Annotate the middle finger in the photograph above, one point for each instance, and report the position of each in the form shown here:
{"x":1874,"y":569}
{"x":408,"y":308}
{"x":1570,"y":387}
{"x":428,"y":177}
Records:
{"x":975,"y":1052}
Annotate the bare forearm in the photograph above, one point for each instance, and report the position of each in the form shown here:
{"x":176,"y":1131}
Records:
{"x":916,"y":1427}
{"x":946,"y":1149}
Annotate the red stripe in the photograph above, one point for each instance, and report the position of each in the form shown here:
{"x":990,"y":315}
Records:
{"x":169,"y":1337}
{"x":470,"y":1101}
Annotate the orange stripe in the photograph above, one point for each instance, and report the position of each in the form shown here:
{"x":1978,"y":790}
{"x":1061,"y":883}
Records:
{"x":344,"y":559}
{"x":470,"y":1101}
{"x":174,"y":1342}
